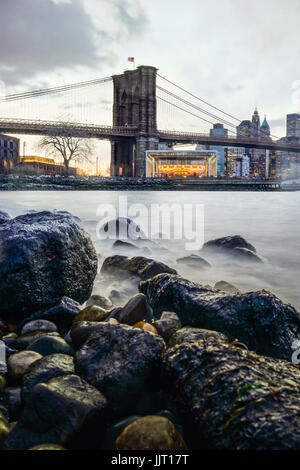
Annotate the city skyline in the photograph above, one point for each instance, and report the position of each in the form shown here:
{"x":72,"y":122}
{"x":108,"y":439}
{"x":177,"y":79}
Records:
{"x":231,"y":59}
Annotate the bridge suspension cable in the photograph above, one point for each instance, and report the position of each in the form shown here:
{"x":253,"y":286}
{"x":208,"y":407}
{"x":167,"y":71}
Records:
{"x":208,"y":104}
{"x":173,"y":95}
{"x":189,"y":112}
{"x":200,"y":99}
{"x":49,"y":91}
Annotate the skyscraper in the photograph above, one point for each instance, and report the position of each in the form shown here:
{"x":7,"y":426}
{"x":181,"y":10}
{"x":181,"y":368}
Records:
{"x":219,"y":130}
{"x":293,"y":125}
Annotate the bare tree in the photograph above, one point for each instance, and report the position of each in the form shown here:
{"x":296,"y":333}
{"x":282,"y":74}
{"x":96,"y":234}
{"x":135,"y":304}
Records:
{"x":61,"y":142}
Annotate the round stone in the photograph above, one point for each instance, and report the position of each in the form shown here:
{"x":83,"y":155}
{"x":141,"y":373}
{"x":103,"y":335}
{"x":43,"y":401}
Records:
{"x":46,"y":345}
{"x":18,"y":363}
{"x":41,"y":325}
{"x":150,"y":433}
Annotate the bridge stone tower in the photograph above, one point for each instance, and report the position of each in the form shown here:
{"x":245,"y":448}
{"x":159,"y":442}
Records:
{"x":134,"y":105}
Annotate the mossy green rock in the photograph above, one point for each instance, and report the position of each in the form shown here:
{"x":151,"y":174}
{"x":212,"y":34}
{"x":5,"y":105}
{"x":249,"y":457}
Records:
{"x":47,"y":345}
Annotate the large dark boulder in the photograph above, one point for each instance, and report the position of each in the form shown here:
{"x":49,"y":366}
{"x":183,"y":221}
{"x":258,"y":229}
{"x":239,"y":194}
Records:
{"x":65,"y":410}
{"x":234,"y":246}
{"x":230,"y":398}
{"x":44,"y":257}
{"x":258,"y":319}
{"x":138,"y":267}
{"x":228,"y":243}
{"x":122,"y":362}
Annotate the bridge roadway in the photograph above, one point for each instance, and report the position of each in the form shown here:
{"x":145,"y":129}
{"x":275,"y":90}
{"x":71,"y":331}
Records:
{"x":97,"y":131}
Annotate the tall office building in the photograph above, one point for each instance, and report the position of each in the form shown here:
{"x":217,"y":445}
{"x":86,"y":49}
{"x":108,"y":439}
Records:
{"x":219,"y":130}
{"x":293,"y":125}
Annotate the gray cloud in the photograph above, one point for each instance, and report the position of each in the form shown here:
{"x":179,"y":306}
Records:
{"x":39,"y":36}
{"x":52,"y":35}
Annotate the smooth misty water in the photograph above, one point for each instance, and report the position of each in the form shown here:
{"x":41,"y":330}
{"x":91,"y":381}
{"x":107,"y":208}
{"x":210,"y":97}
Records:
{"x":270,"y":221}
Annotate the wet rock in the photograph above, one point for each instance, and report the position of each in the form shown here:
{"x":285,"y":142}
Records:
{"x":62,"y":315}
{"x":41,"y":325}
{"x":194,"y":261}
{"x":66,"y":411}
{"x":138,"y":267}
{"x":234,"y":246}
{"x":258,"y":319}
{"x":47,"y":345}
{"x":46,"y":256}
{"x":122,"y":228}
{"x":91,"y":313}
{"x":228,"y":243}
{"x":136,"y":309}
{"x":227,"y":287}
{"x":122,"y":362}
{"x":18,"y":363}
{"x":24,"y":341}
{"x":46,"y":369}
{"x":230,"y":398}
{"x":150,"y":433}
{"x":167,"y":325}
{"x":192,"y":335}
{"x":4,"y":217}
{"x":100,"y":301}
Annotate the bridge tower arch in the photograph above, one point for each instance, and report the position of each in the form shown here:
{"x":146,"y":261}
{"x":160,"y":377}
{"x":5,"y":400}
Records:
{"x":134,"y":104}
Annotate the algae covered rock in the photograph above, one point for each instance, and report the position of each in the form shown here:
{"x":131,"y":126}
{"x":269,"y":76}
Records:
{"x":230,"y":398}
{"x":258,"y":319}
{"x":192,"y":335}
{"x":122,"y":362}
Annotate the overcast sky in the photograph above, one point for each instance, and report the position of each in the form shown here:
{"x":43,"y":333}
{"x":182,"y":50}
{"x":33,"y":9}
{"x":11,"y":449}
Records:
{"x":233,"y":53}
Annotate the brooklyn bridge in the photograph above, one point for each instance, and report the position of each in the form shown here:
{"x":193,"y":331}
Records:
{"x":134,"y":128}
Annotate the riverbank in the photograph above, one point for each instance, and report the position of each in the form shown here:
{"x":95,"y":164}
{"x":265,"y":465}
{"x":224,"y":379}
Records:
{"x":92,"y":183}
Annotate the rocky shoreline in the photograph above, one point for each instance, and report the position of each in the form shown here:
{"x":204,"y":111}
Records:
{"x":160,"y":363}
{"x":98,"y":183}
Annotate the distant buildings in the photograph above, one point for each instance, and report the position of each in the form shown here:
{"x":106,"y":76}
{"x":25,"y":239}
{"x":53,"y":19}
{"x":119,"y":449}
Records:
{"x":289,"y":163}
{"x":44,"y":166}
{"x":244,"y":162}
{"x":9,"y":153}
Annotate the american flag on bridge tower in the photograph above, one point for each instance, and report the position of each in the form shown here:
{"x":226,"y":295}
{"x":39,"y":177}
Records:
{"x":130,"y":59}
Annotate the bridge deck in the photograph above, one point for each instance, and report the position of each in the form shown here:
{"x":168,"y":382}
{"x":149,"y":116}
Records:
{"x":39,"y":127}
